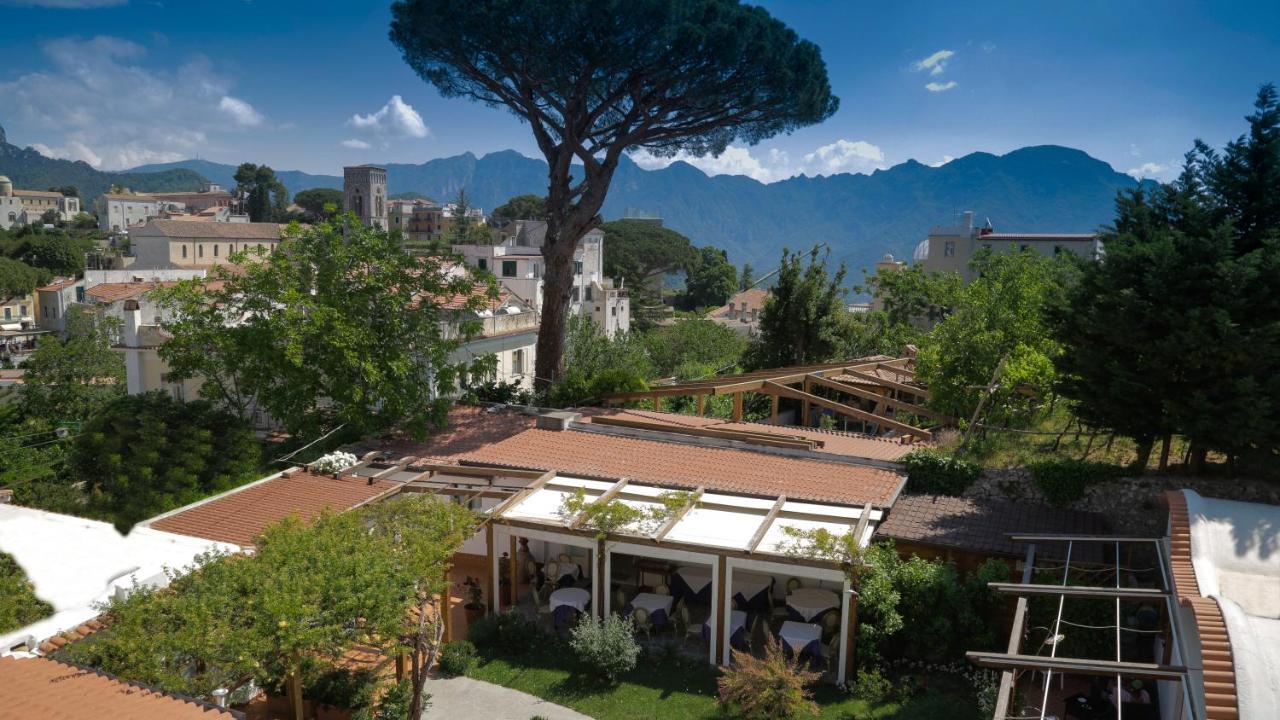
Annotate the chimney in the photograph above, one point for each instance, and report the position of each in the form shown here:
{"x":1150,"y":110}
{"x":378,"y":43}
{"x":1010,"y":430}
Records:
{"x":558,"y":420}
{"x":220,"y":697}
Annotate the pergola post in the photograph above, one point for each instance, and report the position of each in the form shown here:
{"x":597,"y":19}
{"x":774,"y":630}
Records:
{"x":602,"y":580}
{"x":773,"y":409}
{"x":848,"y":669}
{"x":737,"y":407}
{"x":718,"y":605}
{"x":657,"y":403}
{"x":491,"y":580}
{"x":804,"y":405}
{"x":726,"y":611}
{"x":446,"y":609}
{"x":512,"y":578}
{"x":702,"y":403}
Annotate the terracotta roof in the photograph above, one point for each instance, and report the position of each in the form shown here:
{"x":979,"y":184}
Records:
{"x":753,"y":298}
{"x":79,"y":632}
{"x":982,"y":526}
{"x":37,"y":193}
{"x":131,"y":198}
{"x":687,"y":466}
{"x":113,"y":292}
{"x":856,"y":445}
{"x":58,"y":284}
{"x":469,"y":429}
{"x":1215,"y":646}
{"x":218,"y":230}
{"x":240,"y":516}
{"x":52,"y":690}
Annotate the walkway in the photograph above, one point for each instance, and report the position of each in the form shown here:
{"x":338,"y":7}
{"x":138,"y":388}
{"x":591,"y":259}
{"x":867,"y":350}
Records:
{"x":462,"y":698}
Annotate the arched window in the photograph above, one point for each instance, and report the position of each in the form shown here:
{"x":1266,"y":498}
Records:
{"x":200,"y":250}
{"x":184,"y":252}
{"x":13,"y":217}
{"x":215,"y":249}
{"x":359,"y":204}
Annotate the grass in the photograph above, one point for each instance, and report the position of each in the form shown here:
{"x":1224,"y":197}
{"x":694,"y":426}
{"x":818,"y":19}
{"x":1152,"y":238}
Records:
{"x":656,"y":688}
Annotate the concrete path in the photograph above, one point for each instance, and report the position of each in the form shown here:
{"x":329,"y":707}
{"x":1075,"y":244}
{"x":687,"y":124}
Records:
{"x":462,"y":698}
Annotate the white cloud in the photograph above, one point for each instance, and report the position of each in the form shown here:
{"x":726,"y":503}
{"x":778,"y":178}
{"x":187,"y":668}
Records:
{"x":844,"y":156}
{"x":356,"y":144}
{"x":940,"y":87}
{"x":396,"y":119}
{"x":936,"y":63}
{"x":99,"y":101}
{"x":841,"y":156}
{"x":66,"y":4}
{"x":1154,"y":171}
{"x":240,"y":111}
{"x":945,"y":159}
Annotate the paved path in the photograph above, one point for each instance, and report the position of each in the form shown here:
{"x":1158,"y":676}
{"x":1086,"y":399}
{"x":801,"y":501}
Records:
{"x":462,"y":698}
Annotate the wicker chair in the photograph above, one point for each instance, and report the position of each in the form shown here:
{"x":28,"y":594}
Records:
{"x":830,"y":623}
{"x":662,"y":590}
{"x":552,"y":572}
{"x":793,"y":584}
{"x":832,"y":652}
{"x":565,"y":558}
{"x":643,"y":623}
{"x":619,"y":602}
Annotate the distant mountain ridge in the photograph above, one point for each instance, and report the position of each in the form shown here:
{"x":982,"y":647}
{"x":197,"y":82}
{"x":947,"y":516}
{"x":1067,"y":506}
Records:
{"x":1034,"y":189}
{"x":862,"y":217}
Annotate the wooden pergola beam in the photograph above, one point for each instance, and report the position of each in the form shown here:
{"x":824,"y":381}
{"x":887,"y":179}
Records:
{"x":517,"y":498}
{"x":900,"y":387}
{"x":758,"y":536}
{"x":1077,"y":666}
{"x":887,"y":402}
{"x":676,"y":517}
{"x":798,"y":442}
{"x":605,"y":497}
{"x":1077,"y":591}
{"x":745,"y":381}
{"x":783,"y":390}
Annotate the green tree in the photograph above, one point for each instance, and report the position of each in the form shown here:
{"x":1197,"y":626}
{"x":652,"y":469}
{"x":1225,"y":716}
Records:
{"x":144,"y":454}
{"x":800,"y":322}
{"x":693,"y":341}
{"x":608,"y":76}
{"x":641,"y":253}
{"x":61,"y":253}
{"x":521,"y":207}
{"x":747,"y":278}
{"x":339,"y":325}
{"x":256,"y":185}
{"x":598,"y":365}
{"x":320,"y":202}
{"x":66,"y":190}
{"x":1001,"y":319}
{"x":72,"y":379}
{"x":19,"y":278}
{"x":711,"y":280}
{"x":913,"y":295}
{"x":466,"y":230}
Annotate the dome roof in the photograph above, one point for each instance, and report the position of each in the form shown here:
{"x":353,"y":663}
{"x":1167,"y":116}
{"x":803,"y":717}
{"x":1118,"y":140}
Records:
{"x":5,"y":179}
{"x":921,"y":252}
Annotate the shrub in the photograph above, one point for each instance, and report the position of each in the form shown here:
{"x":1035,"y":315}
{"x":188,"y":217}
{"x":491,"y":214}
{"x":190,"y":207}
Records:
{"x":871,"y":686}
{"x":394,"y":704}
{"x":606,"y":649}
{"x":932,"y":473}
{"x":1063,"y":482}
{"x":509,"y":633}
{"x":340,"y":687}
{"x":766,"y":688}
{"x":456,"y":658}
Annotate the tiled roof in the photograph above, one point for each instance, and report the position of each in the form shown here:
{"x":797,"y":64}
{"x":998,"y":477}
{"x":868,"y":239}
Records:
{"x":66,"y":637}
{"x":58,"y":284}
{"x":747,"y":299}
{"x":1215,"y":646}
{"x":687,"y":466}
{"x":239,"y":516}
{"x":217,"y":230}
{"x":982,"y":526}
{"x":469,"y":429}
{"x":130,"y":198}
{"x":856,"y":445}
{"x":113,"y":292}
{"x":51,"y":690}
{"x":37,"y":193}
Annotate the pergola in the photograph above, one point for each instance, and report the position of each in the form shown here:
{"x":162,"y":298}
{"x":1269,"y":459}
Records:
{"x":885,"y":385}
{"x":1068,"y":549}
{"x":727,"y":532}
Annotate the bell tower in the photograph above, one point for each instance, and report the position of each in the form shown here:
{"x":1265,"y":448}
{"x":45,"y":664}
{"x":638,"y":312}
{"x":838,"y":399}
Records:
{"x":364,"y":192}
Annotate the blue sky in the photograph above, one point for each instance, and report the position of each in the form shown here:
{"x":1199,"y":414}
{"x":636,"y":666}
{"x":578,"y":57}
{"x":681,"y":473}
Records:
{"x":316,"y":85}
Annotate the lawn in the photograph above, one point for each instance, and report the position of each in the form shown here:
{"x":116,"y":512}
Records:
{"x":655,"y":689}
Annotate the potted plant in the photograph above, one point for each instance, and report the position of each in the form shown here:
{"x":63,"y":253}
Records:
{"x":474,"y":608}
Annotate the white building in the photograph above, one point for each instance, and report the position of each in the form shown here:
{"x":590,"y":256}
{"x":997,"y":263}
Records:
{"x":23,"y":207}
{"x":192,"y":244}
{"x":120,"y":212}
{"x":55,"y":300}
{"x":519,"y":266}
{"x":952,"y":248}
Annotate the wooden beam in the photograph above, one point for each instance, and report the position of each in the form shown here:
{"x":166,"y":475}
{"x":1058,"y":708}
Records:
{"x":657,"y":403}
{"x":773,"y":409}
{"x":515,"y":499}
{"x":843,"y":409}
{"x":604,"y":498}
{"x":797,"y":442}
{"x":472,"y":469}
{"x":761,"y":531}
{"x":1077,"y":591}
{"x":864,"y":518}
{"x":1005,"y":694}
{"x":601,"y":581}
{"x":806,"y":412}
{"x":702,"y":401}
{"x":1077,"y":666}
{"x":679,"y":514}
{"x":737,"y":407}
{"x":900,"y":387}
{"x":490,"y":596}
{"x":881,"y":400}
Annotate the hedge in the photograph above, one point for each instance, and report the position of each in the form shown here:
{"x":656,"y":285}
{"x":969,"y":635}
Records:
{"x":931,"y":473}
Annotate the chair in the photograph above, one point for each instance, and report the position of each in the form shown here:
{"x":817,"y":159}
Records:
{"x":542,"y":599}
{"x":832,"y":651}
{"x":682,"y":618}
{"x":552,"y":572}
{"x":776,"y":611}
{"x":565,"y":559}
{"x":528,"y":571}
{"x":662,"y":590}
{"x":640,"y":617}
{"x":619,"y":602}
{"x":830,"y":623}
{"x":793,"y":584}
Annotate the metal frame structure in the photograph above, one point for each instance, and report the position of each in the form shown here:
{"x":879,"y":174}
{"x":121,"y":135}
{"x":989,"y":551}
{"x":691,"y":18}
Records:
{"x":1013,"y":661}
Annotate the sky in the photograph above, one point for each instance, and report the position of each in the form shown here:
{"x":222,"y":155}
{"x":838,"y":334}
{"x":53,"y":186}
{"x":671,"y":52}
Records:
{"x":314,"y":85}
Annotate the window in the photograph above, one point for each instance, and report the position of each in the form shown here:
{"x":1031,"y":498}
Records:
{"x":200,"y":250}
{"x":614,"y":310}
{"x":577,"y":267}
{"x":215,"y":249}
{"x":79,"y":293}
{"x":508,"y":268}
{"x":517,"y":362}
{"x":184,"y":252}
{"x":484,"y":263}
{"x":573,"y":294}
{"x":949,"y":249}
{"x":590,"y":294}
{"x":22,"y":311}
{"x":13,"y":217}
{"x":8,"y":313}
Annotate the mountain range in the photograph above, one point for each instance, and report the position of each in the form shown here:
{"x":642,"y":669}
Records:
{"x":1045,"y":188}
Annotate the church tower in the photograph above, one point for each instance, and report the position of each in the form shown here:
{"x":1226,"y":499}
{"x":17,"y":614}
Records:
{"x":364,"y":192}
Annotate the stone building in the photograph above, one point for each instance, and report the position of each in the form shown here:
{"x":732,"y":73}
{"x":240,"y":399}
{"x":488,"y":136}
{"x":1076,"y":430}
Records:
{"x":192,"y":244}
{"x":364,"y":192}
{"x":23,"y":207}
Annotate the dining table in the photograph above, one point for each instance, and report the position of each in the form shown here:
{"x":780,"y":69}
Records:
{"x":566,"y":603}
{"x":737,"y":630}
{"x":751,"y":590}
{"x":658,"y":607}
{"x":692,"y":583}
{"x":803,"y":640}
{"x":810,"y":604}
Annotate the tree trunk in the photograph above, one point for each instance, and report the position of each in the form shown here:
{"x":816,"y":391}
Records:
{"x":1199,"y":455}
{"x":567,"y":222}
{"x":1144,"y":454}
{"x":293,"y":686}
{"x":1164,"y":451}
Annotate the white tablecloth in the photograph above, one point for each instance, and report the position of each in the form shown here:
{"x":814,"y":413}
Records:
{"x":737,"y":621}
{"x":799,"y":635}
{"x":576,"y":598}
{"x":750,"y":584}
{"x":652,"y":602}
{"x":696,"y":577}
{"x":811,"y":602}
